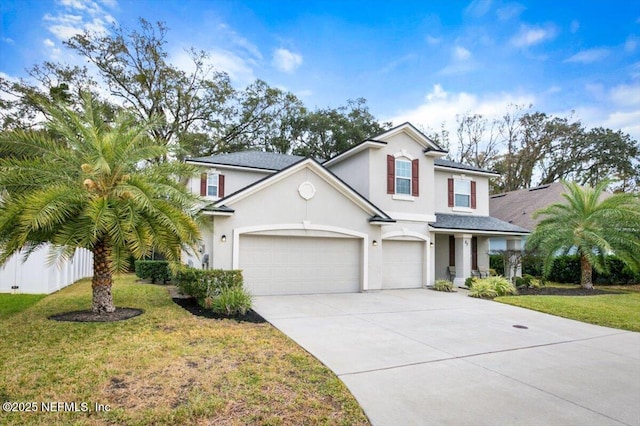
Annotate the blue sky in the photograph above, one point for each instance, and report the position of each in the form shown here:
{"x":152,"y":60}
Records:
{"x":418,"y":61}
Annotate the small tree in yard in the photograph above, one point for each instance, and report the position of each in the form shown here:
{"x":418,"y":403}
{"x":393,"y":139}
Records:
{"x":85,"y":182}
{"x":592,"y":226}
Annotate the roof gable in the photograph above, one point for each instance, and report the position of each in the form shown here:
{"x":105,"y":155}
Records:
{"x":319,"y":170}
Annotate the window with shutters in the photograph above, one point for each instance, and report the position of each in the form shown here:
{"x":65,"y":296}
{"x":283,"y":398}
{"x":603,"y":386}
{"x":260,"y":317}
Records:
{"x":403,"y":176}
{"x":462,"y":193}
{"x":462,"y":197}
{"x":212,"y":185}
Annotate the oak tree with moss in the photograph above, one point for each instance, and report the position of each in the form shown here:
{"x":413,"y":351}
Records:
{"x":84,"y":181}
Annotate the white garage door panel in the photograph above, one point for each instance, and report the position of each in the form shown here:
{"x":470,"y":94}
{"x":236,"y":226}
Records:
{"x":403,"y":264}
{"x":300,"y":265}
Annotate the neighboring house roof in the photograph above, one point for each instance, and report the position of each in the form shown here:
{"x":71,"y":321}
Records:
{"x":250,"y":159}
{"x":475,"y":223}
{"x":378,"y":216}
{"x":453,"y":165}
{"x":517,"y":207}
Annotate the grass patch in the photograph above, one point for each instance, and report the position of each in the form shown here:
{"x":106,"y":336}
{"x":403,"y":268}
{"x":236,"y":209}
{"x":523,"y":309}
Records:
{"x":610,"y":310}
{"x":13,"y":303}
{"x":164,"y":367}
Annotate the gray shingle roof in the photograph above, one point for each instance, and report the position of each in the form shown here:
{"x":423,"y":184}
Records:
{"x":253,"y":159}
{"x":475,"y":223}
{"x":517,"y":207}
{"x":453,"y":164}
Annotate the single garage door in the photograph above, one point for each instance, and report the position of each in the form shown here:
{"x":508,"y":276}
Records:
{"x":403,"y":263}
{"x":300,"y":265}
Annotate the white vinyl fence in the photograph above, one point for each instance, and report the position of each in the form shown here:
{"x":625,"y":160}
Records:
{"x":36,"y":276}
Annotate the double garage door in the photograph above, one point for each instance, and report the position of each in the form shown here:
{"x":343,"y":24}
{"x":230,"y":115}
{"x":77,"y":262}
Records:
{"x":300,"y":265}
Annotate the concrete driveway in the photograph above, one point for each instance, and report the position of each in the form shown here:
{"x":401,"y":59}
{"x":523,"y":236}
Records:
{"x":421,"y":357}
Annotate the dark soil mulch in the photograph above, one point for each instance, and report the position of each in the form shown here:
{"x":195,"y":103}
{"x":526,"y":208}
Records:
{"x":191,"y":304}
{"x":119,"y":314}
{"x":557,"y":291}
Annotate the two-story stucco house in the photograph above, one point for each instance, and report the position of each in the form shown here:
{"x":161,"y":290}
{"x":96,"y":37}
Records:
{"x":387,"y":213}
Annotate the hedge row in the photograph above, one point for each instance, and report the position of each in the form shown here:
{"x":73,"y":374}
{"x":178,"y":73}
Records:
{"x":566,"y":269}
{"x":157,"y":270}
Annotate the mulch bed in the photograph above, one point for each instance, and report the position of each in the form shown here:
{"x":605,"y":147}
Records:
{"x":191,"y":304}
{"x":557,"y":291}
{"x":119,"y":314}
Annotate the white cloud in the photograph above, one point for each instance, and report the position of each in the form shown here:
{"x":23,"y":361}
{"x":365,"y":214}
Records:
{"x":432,"y":41}
{"x":461,"y":54}
{"x":8,"y":40}
{"x":478,"y":8}
{"x":588,"y":56}
{"x":626,"y":95}
{"x":240,"y":41}
{"x":78,"y":16}
{"x":239,"y":69}
{"x":441,"y":107}
{"x":285,"y":60}
{"x":304,"y":93}
{"x":510,"y":11}
{"x":631,"y":44}
{"x":532,"y":35}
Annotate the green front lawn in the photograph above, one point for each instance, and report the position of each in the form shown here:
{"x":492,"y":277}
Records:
{"x":163,"y":367}
{"x":610,"y":310}
{"x":13,"y":303}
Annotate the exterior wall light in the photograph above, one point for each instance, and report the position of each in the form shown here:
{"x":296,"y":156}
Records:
{"x":431,"y":244}
{"x":375,"y":243}
{"x":223,"y":239}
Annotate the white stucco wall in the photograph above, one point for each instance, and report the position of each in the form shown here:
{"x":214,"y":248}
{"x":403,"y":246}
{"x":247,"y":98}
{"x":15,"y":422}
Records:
{"x":441,"y":192}
{"x":36,"y":276}
{"x":234,"y":179}
{"x":280,"y":204}
{"x":355,"y":172}
{"x":422,"y":205}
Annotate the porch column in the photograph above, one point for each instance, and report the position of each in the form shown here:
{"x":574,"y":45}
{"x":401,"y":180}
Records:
{"x":513,"y":266}
{"x":463,"y":258}
{"x":431,"y":259}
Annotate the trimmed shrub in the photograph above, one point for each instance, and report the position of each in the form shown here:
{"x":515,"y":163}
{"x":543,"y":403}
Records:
{"x":619,"y":273}
{"x":206,"y":283}
{"x":496,"y":262}
{"x":156,"y":270}
{"x":443,"y":285}
{"x":532,"y":264}
{"x":565,"y":269}
{"x":231,"y":301}
{"x":470,"y":281}
{"x":490,"y":287}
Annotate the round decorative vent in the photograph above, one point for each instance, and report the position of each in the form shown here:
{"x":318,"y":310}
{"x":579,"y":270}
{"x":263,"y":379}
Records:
{"x":307,"y":190}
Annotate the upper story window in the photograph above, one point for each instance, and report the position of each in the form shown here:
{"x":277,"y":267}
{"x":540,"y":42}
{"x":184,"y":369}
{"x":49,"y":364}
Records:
{"x":462,"y":190}
{"x":212,"y":185}
{"x":402,"y":176}
{"x":462,"y":193}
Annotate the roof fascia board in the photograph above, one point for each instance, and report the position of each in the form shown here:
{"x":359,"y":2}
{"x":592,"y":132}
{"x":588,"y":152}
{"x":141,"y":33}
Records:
{"x":228,"y":166}
{"x":476,"y":231}
{"x":413,"y":133}
{"x":353,"y":151}
{"x":466,"y":171}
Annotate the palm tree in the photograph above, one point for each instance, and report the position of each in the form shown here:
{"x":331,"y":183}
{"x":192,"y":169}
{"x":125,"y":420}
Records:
{"x":591,"y":225}
{"x":85,"y":181}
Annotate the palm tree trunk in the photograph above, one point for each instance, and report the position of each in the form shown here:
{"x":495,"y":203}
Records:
{"x":585,"y":278}
{"x":102,"y":279}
